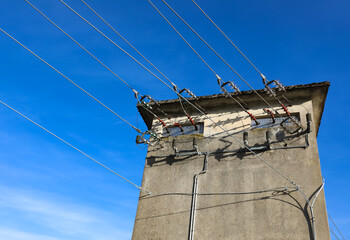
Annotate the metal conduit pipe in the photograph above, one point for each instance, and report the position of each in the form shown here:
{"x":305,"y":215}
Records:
{"x":194,"y":197}
{"x":312,"y":210}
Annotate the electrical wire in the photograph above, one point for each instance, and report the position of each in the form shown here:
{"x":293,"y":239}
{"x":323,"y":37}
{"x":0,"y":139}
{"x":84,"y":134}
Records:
{"x":179,"y":95}
{"x":82,"y":89}
{"x":217,"y":54}
{"x":335,"y":235}
{"x":183,"y":38}
{"x":228,"y":39}
{"x":200,"y":57}
{"x":121,"y":36}
{"x":80,"y":46}
{"x":93,"y":56}
{"x":262,"y":75}
{"x":279,"y":189}
{"x":115,"y":44}
{"x":75,"y":148}
{"x":133,"y":47}
{"x":336,"y":227}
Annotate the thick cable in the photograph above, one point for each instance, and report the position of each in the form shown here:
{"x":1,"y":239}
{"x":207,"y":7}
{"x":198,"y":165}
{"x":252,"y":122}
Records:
{"x":82,"y":89}
{"x":280,"y":189}
{"x":217,"y":54}
{"x":336,"y":227}
{"x":75,"y":148}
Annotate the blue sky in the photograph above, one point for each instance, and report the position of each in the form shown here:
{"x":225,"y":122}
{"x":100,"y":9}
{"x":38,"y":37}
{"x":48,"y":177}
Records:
{"x":50,"y":192}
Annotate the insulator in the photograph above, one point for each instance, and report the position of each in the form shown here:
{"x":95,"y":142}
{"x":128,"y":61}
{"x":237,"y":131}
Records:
{"x":190,"y":94}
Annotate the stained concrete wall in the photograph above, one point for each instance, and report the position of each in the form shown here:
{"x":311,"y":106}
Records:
{"x":165,"y":214}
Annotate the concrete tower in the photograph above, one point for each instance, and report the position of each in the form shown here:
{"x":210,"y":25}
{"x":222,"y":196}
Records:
{"x":230,"y":178}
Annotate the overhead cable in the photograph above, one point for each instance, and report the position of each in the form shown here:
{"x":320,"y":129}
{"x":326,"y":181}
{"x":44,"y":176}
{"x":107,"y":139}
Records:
{"x":93,"y":56}
{"x":183,"y":38}
{"x":71,"y":81}
{"x":335,"y":235}
{"x":75,"y":148}
{"x":115,"y":44}
{"x":179,"y":95}
{"x":121,"y":36}
{"x":336,"y":226}
{"x":200,"y":57}
{"x":228,"y":39}
{"x":261,"y":74}
{"x":199,"y":110}
{"x":217,"y":54}
{"x":133,"y":47}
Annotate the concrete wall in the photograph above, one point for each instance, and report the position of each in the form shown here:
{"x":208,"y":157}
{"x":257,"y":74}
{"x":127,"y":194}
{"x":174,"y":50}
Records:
{"x":268,"y":215}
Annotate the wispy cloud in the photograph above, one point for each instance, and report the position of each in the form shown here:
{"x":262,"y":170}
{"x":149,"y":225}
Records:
{"x":60,"y":217}
{"x":10,"y":234}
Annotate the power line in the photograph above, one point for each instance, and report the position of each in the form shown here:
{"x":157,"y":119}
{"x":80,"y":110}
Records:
{"x":99,"y":61}
{"x":217,"y":54}
{"x":183,"y":38}
{"x":336,"y":227}
{"x":147,"y":60}
{"x":200,"y":57}
{"x":115,"y":44}
{"x":179,"y":95}
{"x":82,"y":89}
{"x":262,"y":75}
{"x":75,"y":148}
{"x":335,"y":235}
{"x":228,"y":39}
{"x":121,"y":36}
{"x":80,"y":45}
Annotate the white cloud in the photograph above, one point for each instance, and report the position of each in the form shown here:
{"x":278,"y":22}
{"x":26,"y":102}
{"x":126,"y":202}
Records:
{"x":10,"y":234}
{"x":59,"y":217}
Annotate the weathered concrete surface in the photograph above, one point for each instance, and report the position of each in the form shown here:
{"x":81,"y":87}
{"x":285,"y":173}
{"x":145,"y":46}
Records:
{"x":268,"y":215}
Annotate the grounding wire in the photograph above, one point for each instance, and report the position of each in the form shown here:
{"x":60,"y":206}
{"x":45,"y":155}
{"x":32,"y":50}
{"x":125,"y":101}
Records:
{"x":336,"y":226}
{"x":75,"y":148}
{"x":179,"y":95}
{"x":71,"y":81}
{"x":93,"y":56}
{"x":228,"y":39}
